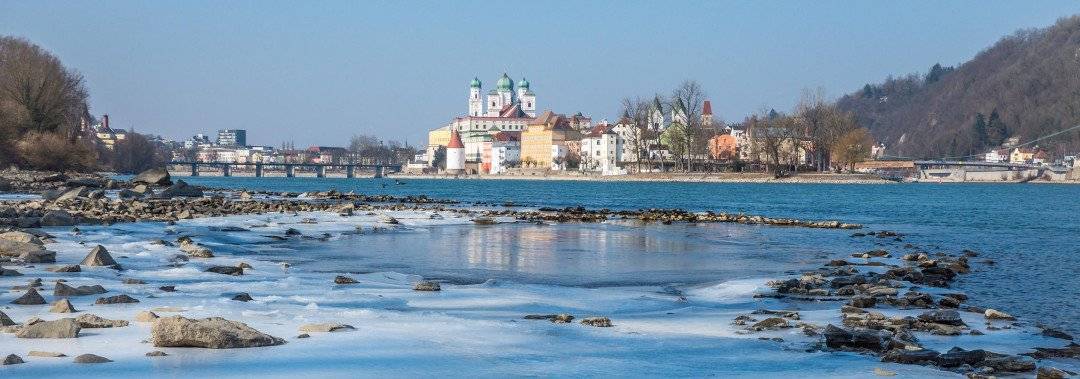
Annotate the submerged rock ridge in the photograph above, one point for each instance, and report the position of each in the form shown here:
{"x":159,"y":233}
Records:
{"x":82,"y":210}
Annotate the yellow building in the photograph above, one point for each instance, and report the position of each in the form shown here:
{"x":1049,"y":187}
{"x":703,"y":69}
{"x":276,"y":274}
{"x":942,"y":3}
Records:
{"x":1021,"y":155}
{"x":439,"y":137}
{"x":544,"y":140}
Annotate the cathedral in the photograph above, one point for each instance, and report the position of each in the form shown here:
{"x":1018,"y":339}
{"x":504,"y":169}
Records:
{"x":503,"y":101}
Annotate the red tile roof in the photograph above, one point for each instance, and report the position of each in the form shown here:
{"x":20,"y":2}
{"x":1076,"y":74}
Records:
{"x":455,"y":141}
{"x":707,"y":108}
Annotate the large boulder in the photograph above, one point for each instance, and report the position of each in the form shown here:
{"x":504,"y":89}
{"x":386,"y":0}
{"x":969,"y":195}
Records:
{"x":155,"y":176}
{"x":62,"y":328}
{"x":39,"y":256}
{"x":64,"y":290}
{"x":182,"y":189}
{"x":74,"y":193}
{"x":21,"y":236}
{"x":5,"y":320}
{"x":88,"y":321}
{"x":99,"y":256}
{"x":57,"y":218}
{"x":212,"y":333}
{"x":118,"y":299}
{"x":873,"y":340}
{"x":12,"y":359}
{"x":9,"y":248}
{"x":31,"y":297}
{"x":63,"y":306}
{"x":226,"y":270}
{"x":946,"y":317}
{"x":91,"y":358}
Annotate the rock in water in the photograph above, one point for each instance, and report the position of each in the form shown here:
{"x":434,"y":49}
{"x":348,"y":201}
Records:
{"x":243,"y":296}
{"x":213,"y":333}
{"x":182,"y":189}
{"x":45,"y":354}
{"x":23,"y":237}
{"x":156,"y":353}
{"x":65,"y":268}
{"x":146,"y":316}
{"x":57,"y":218}
{"x":226,"y":270}
{"x":91,"y":358}
{"x":90,"y":321}
{"x":993,"y":314}
{"x":31,"y":297}
{"x":62,"y":306}
{"x":12,"y":359}
{"x":40,"y":256}
{"x":947,"y":317}
{"x":155,"y":176}
{"x":10,"y":248}
{"x":342,"y":279}
{"x":838,"y":338}
{"x":426,"y":285}
{"x":325,"y":328}
{"x":118,"y":299}
{"x":99,"y":256}
{"x":601,"y":322}
{"x":5,"y":320}
{"x":64,"y":290}
{"x":62,"y":328}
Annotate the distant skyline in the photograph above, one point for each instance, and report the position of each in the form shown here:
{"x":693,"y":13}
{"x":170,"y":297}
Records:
{"x":315,"y":73}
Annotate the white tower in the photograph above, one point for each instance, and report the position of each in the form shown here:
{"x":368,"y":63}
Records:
{"x":527,"y":98}
{"x":476,"y":104}
{"x":455,"y":154}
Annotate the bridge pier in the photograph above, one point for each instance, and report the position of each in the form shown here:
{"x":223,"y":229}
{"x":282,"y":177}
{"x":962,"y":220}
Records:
{"x":378,"y":171}
{"x":194,"y":169}
{"x":290,"y":171}
{"x":320,"y":171}
{"x":350,"y":171}
{"x":258,"y":170}
{"x":226,"y":170}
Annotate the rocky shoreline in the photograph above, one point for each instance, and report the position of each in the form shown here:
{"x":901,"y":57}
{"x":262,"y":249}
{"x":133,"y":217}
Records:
{"x":888,"y":300}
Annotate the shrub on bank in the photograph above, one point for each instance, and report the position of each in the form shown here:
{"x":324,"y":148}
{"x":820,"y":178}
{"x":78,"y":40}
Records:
{"x":56,"y":152}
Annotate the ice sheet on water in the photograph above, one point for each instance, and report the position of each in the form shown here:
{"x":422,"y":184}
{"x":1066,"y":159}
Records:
{"x":474,"y":330}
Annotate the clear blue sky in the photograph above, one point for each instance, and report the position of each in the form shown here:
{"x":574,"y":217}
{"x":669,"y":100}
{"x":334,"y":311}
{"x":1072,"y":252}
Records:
{"x":319,"y":72}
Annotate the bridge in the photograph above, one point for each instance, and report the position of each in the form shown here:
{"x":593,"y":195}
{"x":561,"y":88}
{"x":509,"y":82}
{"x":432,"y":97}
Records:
{"x":290,"y":168}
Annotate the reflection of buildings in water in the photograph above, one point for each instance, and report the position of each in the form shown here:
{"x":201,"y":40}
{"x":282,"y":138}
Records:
{"x":599,"y":250}
{"x":490,"y":248}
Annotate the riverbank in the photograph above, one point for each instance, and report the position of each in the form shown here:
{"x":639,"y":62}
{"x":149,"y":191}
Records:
{"x":343,"y":281}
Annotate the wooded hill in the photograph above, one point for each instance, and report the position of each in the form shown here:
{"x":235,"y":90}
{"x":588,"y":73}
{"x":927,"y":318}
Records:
{"x":1026,"y":85}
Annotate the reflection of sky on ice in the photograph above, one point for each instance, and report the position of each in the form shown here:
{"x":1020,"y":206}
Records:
{"x":671,"y":292}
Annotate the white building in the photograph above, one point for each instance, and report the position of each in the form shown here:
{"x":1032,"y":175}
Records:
{"x":455,"y":154}
{"x":601,"y":150}
{"x":996,"y":156}
{"x":505,"y":152}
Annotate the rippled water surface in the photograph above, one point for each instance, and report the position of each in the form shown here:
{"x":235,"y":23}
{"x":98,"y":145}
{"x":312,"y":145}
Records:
{"x":1029,"y":230}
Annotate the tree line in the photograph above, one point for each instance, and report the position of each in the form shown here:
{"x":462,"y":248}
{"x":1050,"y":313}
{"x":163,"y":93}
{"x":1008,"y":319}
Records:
{"x":44,"y":114}
{"x":1024,"y":86}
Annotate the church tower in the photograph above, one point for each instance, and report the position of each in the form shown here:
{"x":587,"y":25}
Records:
{"x":526,"y":98}
{"x":476,"y":104}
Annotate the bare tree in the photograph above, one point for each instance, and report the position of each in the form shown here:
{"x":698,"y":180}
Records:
{"x":687,"y":101}
{"x":37,"y":94}
{"x":636,"y":113}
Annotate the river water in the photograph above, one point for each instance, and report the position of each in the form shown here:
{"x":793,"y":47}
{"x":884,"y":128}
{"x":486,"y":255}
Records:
{"x":671,"y":291}
{"x":1031,"y":231}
